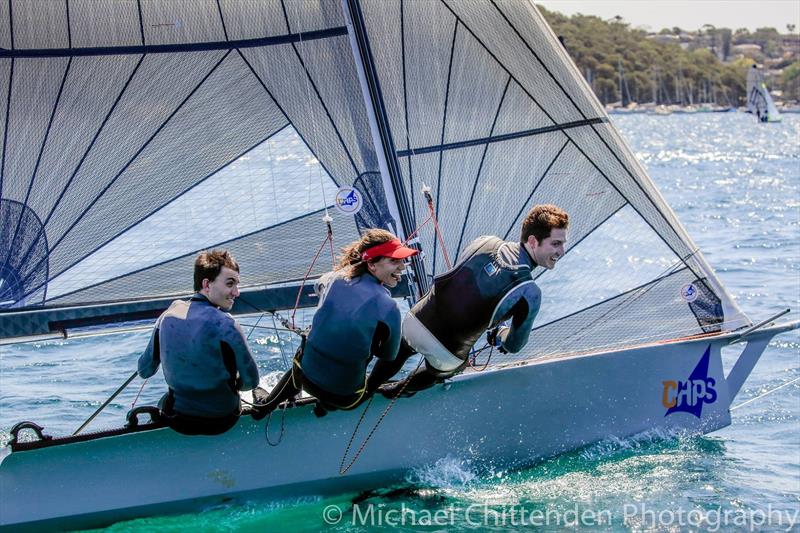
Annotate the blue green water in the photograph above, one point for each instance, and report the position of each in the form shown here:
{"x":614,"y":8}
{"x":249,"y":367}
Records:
{"x":735,"y":185}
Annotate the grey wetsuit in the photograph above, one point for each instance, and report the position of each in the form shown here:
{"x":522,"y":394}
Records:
{"x":202,"y":350}
{"x":343,"y":333}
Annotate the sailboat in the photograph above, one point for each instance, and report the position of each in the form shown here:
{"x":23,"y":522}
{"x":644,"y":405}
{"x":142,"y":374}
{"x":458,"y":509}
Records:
{"x":118,"y":115}
{"x":759,"y":101}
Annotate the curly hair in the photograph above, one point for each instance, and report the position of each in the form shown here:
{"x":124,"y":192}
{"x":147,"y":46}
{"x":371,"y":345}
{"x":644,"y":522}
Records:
{"x":208,"y":265}
{"x":541,"y":220}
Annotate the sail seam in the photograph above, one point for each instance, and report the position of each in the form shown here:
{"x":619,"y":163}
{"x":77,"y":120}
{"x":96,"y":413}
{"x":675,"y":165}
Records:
{"x":38,"y":161}
{"x":502,"y":137}
{"x":480,"y":167}
{"x":310,"y":80}
{"x":141,"y":20}
{"x":69,"y":25}
{"x":405,"y":103}
{"x":598,"y":225}
{"x":535,"y":187}
{"x":222,"y":21}
{"x":173,"y":48}
{"x":5,"y":130}
{"x":286,"y":116}
{"x":124,"y":168}
{"x":83,"y":158}
{"x":192,"y":253}
{"x":444,"y":128}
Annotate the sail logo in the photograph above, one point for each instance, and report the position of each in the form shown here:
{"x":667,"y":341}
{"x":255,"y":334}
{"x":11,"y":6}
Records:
{"x":349,"y":200}
{"x":690,"y":395}
{"x":689,"y":292}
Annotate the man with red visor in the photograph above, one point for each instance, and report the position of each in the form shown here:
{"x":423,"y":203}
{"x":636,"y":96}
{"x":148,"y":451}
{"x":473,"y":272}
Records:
{"x":490,"y":284}
{"x":356,"y":319}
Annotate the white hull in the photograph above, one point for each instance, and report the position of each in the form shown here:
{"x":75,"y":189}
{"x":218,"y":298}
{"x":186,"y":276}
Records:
{"x":505,"y":418}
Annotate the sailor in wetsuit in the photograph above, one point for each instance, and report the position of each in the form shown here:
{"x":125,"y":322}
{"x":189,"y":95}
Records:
{"x":491,"y":283}
{"x":356,"y":319}
{"x":203,"y":352}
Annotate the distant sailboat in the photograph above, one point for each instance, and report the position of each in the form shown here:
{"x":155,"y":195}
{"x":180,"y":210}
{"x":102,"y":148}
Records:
{"x":759,"y":101}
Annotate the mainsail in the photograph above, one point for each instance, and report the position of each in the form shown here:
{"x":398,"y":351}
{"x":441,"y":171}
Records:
{"x":114,"y":113}
{"x":759,"y":101}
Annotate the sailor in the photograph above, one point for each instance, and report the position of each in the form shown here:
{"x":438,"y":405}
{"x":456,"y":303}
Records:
{"x":355,"y":320}
{"x":203,"y":352}
{"x":490,"y":284}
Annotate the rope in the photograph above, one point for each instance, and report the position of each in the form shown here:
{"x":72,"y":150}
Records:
{"x":762,"y":395}
{"x":343,"y":469}
{"x":139,"y":393}
{"x":329,"y":237}
{"x":283,"y":426}
{"x":427,"y":192}
{"x":474,"y":356}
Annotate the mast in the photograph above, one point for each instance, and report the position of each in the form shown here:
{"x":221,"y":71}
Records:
{"x":396,"y":198}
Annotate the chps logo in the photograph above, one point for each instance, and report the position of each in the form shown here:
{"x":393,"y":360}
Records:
{"x":690,"y":395}
{"x":348,"y":200}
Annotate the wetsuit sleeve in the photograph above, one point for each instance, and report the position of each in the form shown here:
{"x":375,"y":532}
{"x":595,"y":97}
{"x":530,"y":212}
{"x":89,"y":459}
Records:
{"x":245,"y":364}
{"x":523,"y":313}
{"x":386,"y":339}
{"x":151,"y":358}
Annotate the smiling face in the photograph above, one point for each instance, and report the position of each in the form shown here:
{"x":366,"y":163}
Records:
{"x":223,"y":290}
{"x":547,"y":252}
{"x":388,"y":271}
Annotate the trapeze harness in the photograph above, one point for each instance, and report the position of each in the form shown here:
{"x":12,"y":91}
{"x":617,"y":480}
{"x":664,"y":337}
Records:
{"x":479,"y":293}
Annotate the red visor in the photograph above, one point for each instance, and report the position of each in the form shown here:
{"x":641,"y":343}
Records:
{"x":393,"y":249}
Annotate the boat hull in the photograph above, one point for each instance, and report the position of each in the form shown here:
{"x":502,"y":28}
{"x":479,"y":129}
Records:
{"x":505,"y":418}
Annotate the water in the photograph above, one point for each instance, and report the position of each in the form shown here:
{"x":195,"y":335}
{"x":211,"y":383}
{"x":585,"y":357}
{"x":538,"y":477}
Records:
{"x":735,"y":185}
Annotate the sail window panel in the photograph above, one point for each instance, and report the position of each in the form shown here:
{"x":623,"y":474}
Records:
{"x":311,"y":15}
{"x":539,"y":36}
{"x":34,"y":91}
{"x":275,"y":182}
{"x":452,"y":194}
{"x":574,"y":184}
{"x":476,"y":86}
{"x":620,"y":251}
{"x":174,"y":22}
{"x":39,"y":24}
{"x":157,"y":89}
{"x":227,"y":116}
{"x":630,"y":185}
{"x":279,"y":68}
{"x":272,"y":255}
{"x":95,"y":23}
{"x":5,"y":26}
{"x":93,"y":85}
{"x":253,"y":19}
{"x":519,"y":113}
{"x":511,"y":171}
{"x":488,"y":25}
{"x":653,"y":313}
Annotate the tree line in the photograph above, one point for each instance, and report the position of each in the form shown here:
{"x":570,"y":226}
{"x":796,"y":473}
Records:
{"x":623,"y":64}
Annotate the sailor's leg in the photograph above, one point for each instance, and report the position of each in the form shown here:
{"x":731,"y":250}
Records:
{"x":384,"y":370}
{"x":284,"y":390}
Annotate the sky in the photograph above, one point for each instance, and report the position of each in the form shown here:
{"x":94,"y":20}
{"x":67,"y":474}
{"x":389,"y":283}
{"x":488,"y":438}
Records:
{"x":687,"y":14}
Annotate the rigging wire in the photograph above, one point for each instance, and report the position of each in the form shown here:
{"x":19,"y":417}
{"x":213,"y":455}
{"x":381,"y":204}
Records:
{"x":342,"y":468}
{"x":762,"y":395}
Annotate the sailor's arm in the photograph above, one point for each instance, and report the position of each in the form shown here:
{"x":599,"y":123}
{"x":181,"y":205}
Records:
{"x":245,"y":364}
{"x":524,"y":311}
{"x":151,"y":358}
{"x":386,"y":339}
